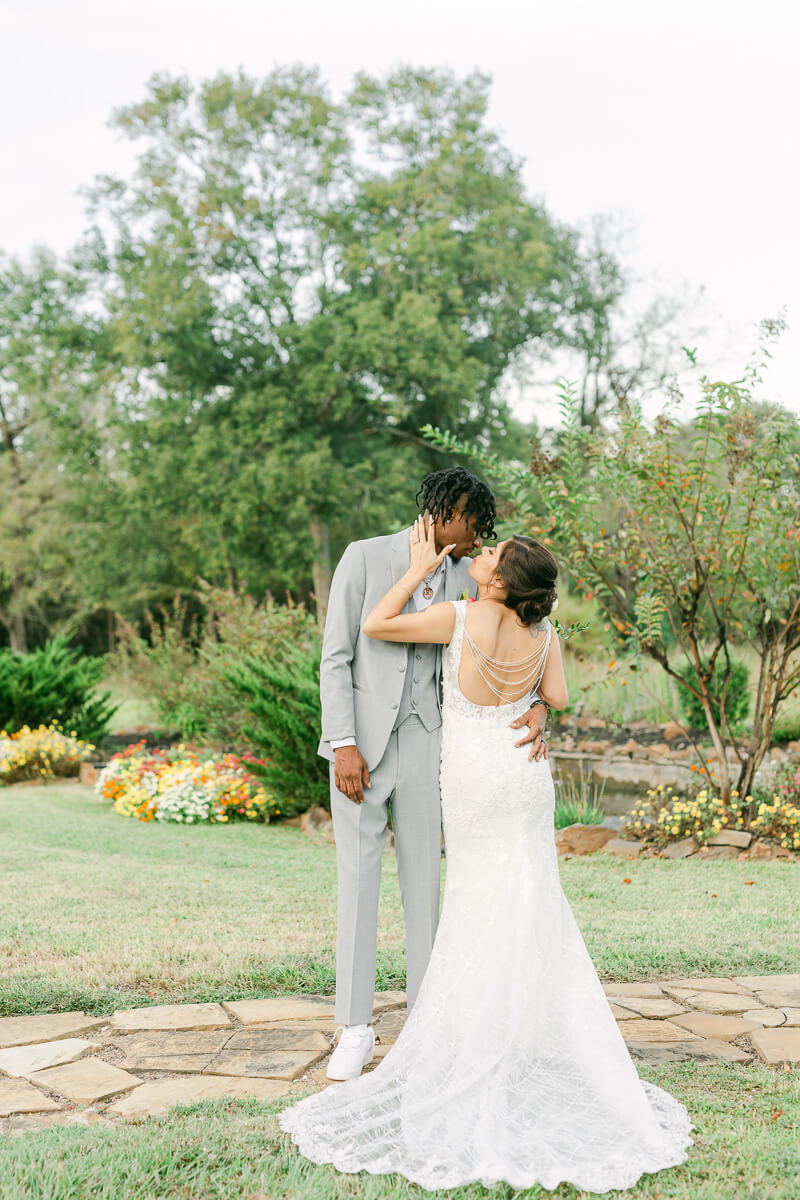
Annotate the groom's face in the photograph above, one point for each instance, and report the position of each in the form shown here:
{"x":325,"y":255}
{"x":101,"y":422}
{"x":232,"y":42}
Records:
{"x":459,"y":529}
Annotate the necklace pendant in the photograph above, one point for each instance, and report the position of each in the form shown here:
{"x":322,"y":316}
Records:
{"x":427,"y":592}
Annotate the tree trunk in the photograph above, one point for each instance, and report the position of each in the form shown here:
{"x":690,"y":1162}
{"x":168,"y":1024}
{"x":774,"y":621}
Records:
{"x":16,"y":627}
{"x":320,"y":534}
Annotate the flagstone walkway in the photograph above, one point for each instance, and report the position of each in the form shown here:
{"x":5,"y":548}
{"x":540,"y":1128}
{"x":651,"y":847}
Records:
{"x":70,"y":1068}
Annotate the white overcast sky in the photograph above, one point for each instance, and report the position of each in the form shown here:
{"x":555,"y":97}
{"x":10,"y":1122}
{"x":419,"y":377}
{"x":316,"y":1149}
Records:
{"x":681,"y":117}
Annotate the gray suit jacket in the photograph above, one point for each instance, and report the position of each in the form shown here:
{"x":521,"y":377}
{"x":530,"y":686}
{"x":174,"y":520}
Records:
{"x":361,"y":679}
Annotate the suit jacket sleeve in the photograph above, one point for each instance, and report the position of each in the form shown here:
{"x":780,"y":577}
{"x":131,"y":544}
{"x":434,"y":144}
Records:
{"x":342,"y":629}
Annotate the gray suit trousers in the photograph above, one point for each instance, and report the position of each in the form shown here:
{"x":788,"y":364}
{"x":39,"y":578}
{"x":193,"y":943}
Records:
{"x":407,"y":777}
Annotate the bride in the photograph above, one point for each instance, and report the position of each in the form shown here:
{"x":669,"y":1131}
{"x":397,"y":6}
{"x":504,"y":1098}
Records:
{"x":510,"y":1066}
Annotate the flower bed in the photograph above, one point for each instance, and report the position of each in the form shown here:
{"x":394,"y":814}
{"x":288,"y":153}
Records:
{"x":40,"y":753}
{"x":182,"y":786}
{"x":664,"y":816}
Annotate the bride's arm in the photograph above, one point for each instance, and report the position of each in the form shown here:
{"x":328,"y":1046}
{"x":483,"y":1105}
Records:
{"x":388,"y":623}
{"x":553,"y":687}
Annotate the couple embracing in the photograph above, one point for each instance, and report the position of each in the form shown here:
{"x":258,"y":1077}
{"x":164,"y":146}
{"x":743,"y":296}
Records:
{"x":510,"y":1066}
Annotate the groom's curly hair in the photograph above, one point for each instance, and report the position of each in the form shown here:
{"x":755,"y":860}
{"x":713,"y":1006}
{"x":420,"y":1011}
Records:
{"x":441,"y":493}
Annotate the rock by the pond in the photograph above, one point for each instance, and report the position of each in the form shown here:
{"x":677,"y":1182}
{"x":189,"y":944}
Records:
{"x":731,"y":837}
{"x":672,"y":731}
{"x":681,"y":849}
{"x":23,"y":1060}
{"x":582,"y":839}
{"x":46,"y":1027}
{"x":623,"y":847}
{"x":18,"y":1096}
{"x":86,"y":1080}
{"x":172,"y":1016}
{"x":777,"y":1045}
{"x":156,"y":1098}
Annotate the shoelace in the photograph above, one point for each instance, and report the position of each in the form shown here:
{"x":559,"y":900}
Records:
{"x":351,"y":1037}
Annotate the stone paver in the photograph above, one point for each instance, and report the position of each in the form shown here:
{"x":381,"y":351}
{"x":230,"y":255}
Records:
{"x":18,"y":1096}
{"x":172,"y":1016}
{"x":644,"y":1006}
{"x":654,"y":1031}
{"x":86,"y":1080}
{"x":717,"y":1002}
{"x":288,"y":1064}
{"x":712,"y":1025}
{"x":22,"y":1060}
{"x":289,"y":1008}
{"x":279,"y":1046}
{"x":154,"y":1099}
{"x":167,"y":1050}
{"x":705,"y":1050}
{"x":777,"y":1045}
{"x":633,"y":989}
{"x":765,"y":1016}
{"x":47,"y":1027}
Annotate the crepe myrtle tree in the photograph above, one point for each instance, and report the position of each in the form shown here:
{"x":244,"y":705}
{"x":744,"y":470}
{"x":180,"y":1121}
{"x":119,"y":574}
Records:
{"x":688,"y":539}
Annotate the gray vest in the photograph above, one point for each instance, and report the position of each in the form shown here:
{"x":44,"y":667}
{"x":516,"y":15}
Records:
{"x":420,"y":684}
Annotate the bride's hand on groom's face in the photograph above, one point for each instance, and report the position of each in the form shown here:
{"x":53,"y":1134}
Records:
{"x":425,"y":558}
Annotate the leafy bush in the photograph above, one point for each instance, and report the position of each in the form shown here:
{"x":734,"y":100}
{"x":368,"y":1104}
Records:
{"x":54,"y":684}
{"x":737,"y":695}
{"x":181,"y":664}
{"x":284,"y":723}
{"x":179,"y":786}
{"x":40,"y":754}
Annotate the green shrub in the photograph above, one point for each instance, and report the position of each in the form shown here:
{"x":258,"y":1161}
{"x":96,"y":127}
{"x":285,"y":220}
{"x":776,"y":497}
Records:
{"x":181,"y":664}
{"x":737,"y":695}
{"x":54,"y":684}
{"x":284,"y":721}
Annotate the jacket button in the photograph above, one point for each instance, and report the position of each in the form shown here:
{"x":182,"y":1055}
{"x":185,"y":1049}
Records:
{"x":401,"y":669}
{"x":395,"y":706}
{"x":419,"y":657}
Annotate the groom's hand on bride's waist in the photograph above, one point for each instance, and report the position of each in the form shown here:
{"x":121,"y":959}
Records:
{"x":534,"y":719}
{"x":350,"y":772}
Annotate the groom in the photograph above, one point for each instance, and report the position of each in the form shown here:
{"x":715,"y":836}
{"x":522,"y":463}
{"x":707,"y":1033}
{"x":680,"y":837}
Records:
{"x":381,"y":731}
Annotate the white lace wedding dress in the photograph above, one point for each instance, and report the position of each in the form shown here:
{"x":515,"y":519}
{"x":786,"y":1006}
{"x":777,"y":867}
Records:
{"x":510,"y":1066}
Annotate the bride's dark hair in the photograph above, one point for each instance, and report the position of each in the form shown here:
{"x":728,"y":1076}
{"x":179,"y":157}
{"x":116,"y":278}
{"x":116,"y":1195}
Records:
{"x":529,"y":572}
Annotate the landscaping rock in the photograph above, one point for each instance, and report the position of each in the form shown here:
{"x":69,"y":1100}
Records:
{"x":272,"y":1040}
{"x":317,"y":823}
{"x":711,"y":1025}
{"x":672,"y":731}
{"x":731,"y":837}
{"x":633,"y":989}
{"x":156,"y":1098}
{"x":582,"y":839}
{"x":777,"y":1045}
{"x":22,"y":1060}
{"x":17,"y":1096}
{"x":88,"y":774}
{"x":658,"y":750}
{"x":172,"y":1016}
{"x":389,"y":1026}
{"x":167,"y":1050}
{"x":779,"y":997}
{"x":87,"y":1080}
{"x":680,"y":849}
{"x":46,"y":1027}
{"x":703,"y":1051}
{"x":792,"y":1016}
{"x":654,"y":1031}
{"x":758,"y":983}
{"x":286,"y":1008}
{"x":718,"y":853}
{"x":386,"y":1000}
{"x":621,"y":1014}
{"x":761,"y":851}
{"x":623,"y":847}
{"x":630,"y":748}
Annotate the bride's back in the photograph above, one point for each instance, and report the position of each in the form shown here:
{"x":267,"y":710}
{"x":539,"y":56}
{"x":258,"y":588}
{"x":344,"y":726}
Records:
{"x":499,"y":654}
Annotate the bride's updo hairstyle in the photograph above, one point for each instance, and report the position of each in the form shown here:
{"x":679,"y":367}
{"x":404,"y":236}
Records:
{"x":529,"y":572}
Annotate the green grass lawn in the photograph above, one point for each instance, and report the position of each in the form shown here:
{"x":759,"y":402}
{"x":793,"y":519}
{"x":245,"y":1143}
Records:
{"x":98,"y":911}
{"x":234,"y":1150}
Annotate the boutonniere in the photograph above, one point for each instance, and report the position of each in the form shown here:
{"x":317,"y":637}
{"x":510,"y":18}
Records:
{"x":466,"y":596}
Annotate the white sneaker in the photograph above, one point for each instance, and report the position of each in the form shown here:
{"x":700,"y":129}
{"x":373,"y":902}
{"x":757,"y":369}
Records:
{"x":356,"y":1048}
